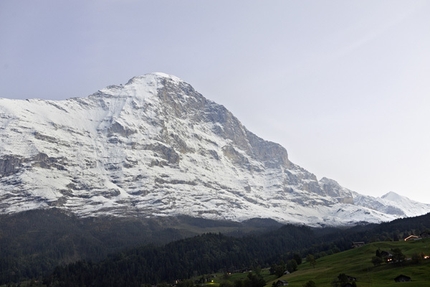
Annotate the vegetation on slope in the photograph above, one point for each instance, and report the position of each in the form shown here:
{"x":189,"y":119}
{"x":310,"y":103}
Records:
{"x":32,"y":246}
{"x":357,"y":263}
{"x":33,"y":243}
{"x":207,"y":253}
{"x":210,"y":253}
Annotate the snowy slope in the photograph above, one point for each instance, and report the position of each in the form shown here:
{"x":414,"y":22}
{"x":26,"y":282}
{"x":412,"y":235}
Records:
{"x":156,"y":147}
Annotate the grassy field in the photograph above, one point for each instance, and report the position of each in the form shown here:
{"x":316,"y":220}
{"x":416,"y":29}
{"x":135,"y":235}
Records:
{"x":357,"y":263}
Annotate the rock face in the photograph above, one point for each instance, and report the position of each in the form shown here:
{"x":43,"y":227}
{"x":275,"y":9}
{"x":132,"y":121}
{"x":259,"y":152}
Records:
{"x":156,"y":147}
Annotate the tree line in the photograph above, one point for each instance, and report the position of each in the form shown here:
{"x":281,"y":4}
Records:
{"x":281,"y":249}
{"x":34,"y":252}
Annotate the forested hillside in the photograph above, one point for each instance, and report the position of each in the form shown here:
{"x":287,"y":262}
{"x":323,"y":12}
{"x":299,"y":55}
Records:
{"x":33,"y":243}
{"x":210,"y":253}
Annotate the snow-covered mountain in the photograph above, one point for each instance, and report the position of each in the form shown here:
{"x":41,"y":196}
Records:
{"x":156,"y":147}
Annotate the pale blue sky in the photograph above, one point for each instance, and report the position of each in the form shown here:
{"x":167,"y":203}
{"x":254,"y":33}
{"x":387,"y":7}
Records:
{"x":343,"y":85}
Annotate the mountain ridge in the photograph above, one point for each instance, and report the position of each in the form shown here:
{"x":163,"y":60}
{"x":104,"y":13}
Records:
{"x":156,"y":147}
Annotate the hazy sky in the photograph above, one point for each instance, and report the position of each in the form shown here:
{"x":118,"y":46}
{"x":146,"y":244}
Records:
{"x":344,"y":86}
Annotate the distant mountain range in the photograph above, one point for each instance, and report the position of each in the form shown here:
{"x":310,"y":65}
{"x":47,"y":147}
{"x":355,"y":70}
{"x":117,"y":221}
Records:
{"x":155,"y":147}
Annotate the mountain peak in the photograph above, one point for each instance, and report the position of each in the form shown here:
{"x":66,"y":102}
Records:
{"x":166,"y":76}
{"x":141,"y":86}
{"x":156,"y":147}
{"x":392,"y":196}
{"x":152,"y":77}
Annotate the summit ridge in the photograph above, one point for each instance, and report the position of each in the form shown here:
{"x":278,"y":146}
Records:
{"x":156,"y":147}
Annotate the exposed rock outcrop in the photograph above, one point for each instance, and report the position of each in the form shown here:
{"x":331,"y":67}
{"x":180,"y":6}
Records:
{"x":156,"y":147}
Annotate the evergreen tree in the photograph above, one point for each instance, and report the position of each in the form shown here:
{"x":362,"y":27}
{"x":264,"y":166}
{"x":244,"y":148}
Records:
{"x":398,"y":255}
{"x":378,"y":253}
{"x":376,"y":260}
{"x":311,"y":259}
{"x":298,"y":258}
{"x":291,"y":265}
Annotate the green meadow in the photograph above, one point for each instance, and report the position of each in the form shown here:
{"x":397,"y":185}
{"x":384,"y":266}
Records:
{"x":357,"y":263}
